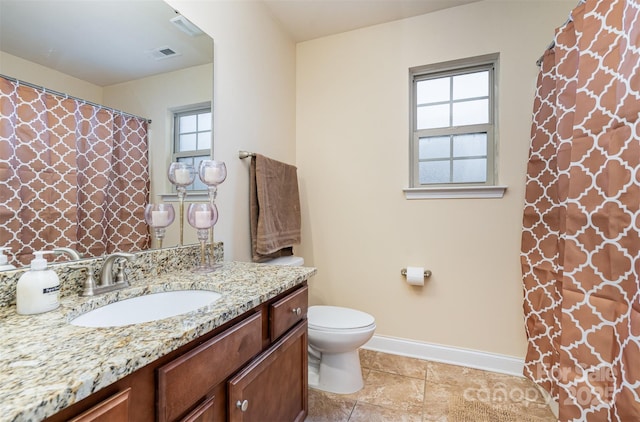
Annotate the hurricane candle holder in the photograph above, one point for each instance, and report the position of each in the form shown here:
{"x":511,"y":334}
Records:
{"x":181,"y":175}
{"x":212,"y":173}
{"x":202,"y":217}
{"x":159,"y":217}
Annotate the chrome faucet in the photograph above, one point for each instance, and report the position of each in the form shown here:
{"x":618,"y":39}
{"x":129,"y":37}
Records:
{"x":72,"y":253}
{"x":107,"y":273}
{"x":112,"y":275}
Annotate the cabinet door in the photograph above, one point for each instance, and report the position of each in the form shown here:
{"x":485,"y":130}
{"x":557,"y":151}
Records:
{"x":203,"y":413}
{"x":113,"y":409}
{"x":274,"y":386}
{"x":185,"y":381}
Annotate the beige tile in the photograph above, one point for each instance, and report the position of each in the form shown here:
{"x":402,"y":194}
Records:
{"x":395,"y":391}
{"x":392,"y":392}
{"x":436,"y":401}
{"x":520,"y":389}
{"x":456,"y":375}
{"x":365,"y":412}
{"x":497,"y":389}
{"x":400,"y":365}
{"x":327,"y":407}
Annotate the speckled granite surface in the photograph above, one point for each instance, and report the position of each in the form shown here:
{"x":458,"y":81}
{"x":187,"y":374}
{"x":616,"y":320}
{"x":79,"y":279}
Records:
{"x":47,"y":364}
{"x":150,"y":262}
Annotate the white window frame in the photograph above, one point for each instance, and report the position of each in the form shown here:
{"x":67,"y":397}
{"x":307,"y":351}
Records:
{"x":185,"y":111}
{"x":487,"y":189}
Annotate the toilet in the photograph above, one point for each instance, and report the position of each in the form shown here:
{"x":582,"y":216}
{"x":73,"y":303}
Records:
{"x":335,"y":335}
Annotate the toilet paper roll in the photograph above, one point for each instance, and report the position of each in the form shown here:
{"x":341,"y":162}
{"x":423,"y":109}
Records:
{"x":415,"y":276}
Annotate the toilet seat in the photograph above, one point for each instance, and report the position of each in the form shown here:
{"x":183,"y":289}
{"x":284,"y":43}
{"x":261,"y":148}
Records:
{"x":336,"y":318}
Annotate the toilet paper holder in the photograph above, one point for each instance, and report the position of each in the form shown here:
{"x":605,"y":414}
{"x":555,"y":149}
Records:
{"x":427,"y":273}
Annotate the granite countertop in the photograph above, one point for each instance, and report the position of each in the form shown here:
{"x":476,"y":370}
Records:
{"x":47,"y":364}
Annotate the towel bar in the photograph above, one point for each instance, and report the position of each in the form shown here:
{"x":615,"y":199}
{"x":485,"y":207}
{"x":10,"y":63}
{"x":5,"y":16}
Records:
{"x":245,"y":154}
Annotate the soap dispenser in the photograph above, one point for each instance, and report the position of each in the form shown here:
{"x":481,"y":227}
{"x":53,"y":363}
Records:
{"x":4,"y":260}
{"x":38,"y":290}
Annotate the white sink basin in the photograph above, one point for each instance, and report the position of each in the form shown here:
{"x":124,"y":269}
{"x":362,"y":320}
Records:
{"x":146,"y":308}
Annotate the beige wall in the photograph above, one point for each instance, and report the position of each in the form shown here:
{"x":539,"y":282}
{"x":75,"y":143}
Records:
{"x":27,"y":71}
{"x":337,"y":108}
{"x":254,"y":102}
{"x":352,"y":152}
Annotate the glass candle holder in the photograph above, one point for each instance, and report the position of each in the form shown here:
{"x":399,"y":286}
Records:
{"x":159,"y":217}
{"x":202,"y":217}
{"x":181,"y":175}
{"x":212,"y":173}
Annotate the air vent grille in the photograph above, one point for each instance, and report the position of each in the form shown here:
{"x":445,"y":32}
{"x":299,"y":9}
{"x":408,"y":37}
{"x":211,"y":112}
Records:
{"x":162,"y":53}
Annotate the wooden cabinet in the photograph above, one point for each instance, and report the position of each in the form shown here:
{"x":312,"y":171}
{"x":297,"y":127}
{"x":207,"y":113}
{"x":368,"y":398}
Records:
{"x":258,"y":360}
{"x":274,"y":386}
{"x":288,"y":311}
{"x":186,"y":380}
{"x":113,"y":409}
{"x":206,"y":412}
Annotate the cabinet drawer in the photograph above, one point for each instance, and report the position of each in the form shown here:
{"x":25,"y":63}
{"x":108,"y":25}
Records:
{"x":113,"y":409}
{"x":286,"y":312}
{"x":187,"y":379}
{"x":202,"y":413}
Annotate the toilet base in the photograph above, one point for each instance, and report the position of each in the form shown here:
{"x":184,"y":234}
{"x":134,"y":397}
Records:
{"x":338,"y":373}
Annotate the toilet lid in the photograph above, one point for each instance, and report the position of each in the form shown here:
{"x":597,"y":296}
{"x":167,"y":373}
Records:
{"x":338,"y":318}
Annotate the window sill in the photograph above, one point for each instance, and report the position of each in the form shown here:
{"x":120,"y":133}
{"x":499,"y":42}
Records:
{"x":455,"y":192}
{"x":191,"y":197}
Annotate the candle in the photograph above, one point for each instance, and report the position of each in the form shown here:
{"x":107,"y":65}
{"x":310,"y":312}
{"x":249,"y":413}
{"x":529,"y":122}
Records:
{"x":159,"y":218}
{"x":182,"y":176}
{"x":203,"y":219}
{"x":212,"y":174}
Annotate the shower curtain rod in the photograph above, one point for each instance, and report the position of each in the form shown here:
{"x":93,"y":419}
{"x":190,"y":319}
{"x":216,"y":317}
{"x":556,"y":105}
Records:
{"x":61,"y":94}
{"x":553,"y":43}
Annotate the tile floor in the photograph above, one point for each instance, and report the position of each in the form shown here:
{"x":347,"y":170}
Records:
{"x":398,"y":388}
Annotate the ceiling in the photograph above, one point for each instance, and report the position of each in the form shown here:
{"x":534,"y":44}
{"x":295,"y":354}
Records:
{"x":100,"y":41}
{"x":308,"y":19}
{"x":112,"y":41}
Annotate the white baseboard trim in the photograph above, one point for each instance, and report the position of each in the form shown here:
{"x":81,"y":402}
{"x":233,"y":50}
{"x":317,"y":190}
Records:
{"x":447,"y":354}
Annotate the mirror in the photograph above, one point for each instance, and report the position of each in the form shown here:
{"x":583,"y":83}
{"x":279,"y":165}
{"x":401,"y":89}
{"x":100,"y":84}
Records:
{"x":134,"y":56}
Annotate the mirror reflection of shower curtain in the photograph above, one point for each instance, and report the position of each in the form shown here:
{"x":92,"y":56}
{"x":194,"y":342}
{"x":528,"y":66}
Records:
{"x":580,"y":241}
{"x":71,"y":175}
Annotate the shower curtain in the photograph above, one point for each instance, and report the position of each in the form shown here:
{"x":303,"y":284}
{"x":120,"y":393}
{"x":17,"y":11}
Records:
{"x":580,"y":240}
{"x":72,"y":174}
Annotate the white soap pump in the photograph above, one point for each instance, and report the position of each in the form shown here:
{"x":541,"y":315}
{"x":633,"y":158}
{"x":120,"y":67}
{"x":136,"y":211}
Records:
{"x":4,"y":260}
{"x":38,"y":290}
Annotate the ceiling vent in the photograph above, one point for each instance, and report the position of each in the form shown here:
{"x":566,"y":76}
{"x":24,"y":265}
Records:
{"x":162,"y":53}
{"x":186,"y":26}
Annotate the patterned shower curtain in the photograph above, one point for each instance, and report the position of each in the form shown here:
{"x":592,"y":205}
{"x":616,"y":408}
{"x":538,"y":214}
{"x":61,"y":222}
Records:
{"x":71,"y":175}
{"x":580,"y":240}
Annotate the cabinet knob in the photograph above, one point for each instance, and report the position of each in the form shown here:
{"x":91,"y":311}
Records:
{"x":297,"y":311}
{"x":243,"y":405}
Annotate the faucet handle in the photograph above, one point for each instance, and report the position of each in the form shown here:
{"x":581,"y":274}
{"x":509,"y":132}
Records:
{"x":121,"y":276}
{"x":89,"y":284}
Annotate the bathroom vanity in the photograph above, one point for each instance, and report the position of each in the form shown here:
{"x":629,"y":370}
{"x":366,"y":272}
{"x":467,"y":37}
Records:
{"x":243,"y":358}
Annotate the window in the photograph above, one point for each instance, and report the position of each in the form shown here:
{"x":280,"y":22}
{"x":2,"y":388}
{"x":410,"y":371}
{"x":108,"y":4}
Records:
{"x":453,"y":123}
{"x":192,"y":139}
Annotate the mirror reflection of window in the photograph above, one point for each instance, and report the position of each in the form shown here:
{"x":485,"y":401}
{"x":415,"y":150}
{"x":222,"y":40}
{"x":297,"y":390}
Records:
{"x":192,"y":139}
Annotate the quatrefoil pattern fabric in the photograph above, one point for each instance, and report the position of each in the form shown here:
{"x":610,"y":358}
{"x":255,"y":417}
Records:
{"x":71,"y":175}
{"x":580,"y":240}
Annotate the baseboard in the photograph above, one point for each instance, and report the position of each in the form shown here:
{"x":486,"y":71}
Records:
{"x":447,"y":354}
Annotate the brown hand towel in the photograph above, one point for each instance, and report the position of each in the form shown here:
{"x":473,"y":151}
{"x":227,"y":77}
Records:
{"x":275,"y":208}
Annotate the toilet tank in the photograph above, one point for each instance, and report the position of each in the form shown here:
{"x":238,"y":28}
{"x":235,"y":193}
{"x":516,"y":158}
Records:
{"x":293,"y":261}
